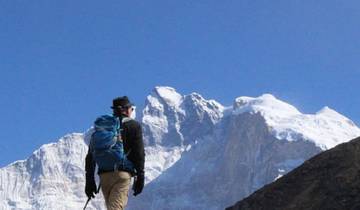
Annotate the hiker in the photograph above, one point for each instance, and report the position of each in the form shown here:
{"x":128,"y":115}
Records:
{"x":115,"y":181}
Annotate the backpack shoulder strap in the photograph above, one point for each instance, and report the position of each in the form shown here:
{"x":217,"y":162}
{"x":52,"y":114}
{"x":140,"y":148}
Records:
{"x":123,"y":120}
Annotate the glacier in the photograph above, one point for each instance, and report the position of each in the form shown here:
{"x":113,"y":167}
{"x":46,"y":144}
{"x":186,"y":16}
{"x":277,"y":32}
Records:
{"x":199,"y":153}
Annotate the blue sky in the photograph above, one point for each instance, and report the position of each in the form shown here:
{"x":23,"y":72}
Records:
{"x":62,"y":62}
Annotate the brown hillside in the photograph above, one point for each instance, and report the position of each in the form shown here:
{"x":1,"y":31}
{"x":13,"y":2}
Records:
{"x":328,"y":181}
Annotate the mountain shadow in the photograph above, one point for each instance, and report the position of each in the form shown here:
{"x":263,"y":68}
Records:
{"x":328,"y":181}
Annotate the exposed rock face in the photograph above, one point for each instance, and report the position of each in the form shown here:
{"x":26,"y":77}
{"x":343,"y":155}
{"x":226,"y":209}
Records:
{"x":328,"y":181}
{"x":230,"y":164}
{"x":253,"y":157}
{"x":172,"y":123}
{"x":202,"y":113}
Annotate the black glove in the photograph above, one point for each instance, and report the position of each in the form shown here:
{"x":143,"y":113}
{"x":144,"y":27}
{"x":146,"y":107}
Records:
{"x":90,"y":187}
{"x":138,"y":184}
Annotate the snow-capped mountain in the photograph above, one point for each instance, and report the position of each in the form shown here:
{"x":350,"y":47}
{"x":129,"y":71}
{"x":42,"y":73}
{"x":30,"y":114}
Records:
{"x":199,"y":154}
{"x":326,"y":128}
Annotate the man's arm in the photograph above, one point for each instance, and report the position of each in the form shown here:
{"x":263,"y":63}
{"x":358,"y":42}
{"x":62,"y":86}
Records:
{"x":90,"y":186}
{"x":137,"y":150}
{"x":138,"y":158}
{"x":89,"y":165}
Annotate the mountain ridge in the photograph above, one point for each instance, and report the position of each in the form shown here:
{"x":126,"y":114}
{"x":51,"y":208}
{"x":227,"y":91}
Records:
{"x":179,"y":131}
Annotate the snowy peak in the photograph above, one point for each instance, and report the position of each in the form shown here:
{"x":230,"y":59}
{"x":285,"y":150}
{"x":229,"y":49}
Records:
{"x":266,"y":104}
{"x":197,"y":98}
{"x":172,"y":122}
{"x":161,"y":117}
{"x":194,"y":102}
{"x":326,"y":128}
{"x":330,"y":113}
{"x":168,"y":95}
{"x":327,"y":110}
{"x":168,"y":115}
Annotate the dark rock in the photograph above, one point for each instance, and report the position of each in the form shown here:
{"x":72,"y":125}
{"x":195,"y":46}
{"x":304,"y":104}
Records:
{"x":328,"y":181}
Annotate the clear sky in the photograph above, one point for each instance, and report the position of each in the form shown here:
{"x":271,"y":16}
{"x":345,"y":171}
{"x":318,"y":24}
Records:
{"x":62,"y":62}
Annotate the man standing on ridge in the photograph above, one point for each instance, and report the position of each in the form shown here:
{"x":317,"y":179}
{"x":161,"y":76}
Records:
{"x":115,"y":183}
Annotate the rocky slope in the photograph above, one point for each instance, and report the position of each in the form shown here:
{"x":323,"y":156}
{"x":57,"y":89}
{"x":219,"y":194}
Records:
{"x":328,"y":181}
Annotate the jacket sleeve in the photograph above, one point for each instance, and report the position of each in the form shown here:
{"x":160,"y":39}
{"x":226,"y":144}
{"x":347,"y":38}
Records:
{"x":137,"y":154}
{"x":89,"y":166}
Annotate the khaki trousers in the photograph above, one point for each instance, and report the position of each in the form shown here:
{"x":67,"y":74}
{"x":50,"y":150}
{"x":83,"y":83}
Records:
{"x":115,"y":187}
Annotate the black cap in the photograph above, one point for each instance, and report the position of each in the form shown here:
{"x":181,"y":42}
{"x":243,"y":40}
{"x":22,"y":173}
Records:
{"x":121,"y":103}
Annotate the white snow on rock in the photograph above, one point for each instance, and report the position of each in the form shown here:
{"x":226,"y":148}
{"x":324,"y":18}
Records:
{"x":165,"y":114}
{"x":213,"y":108}
{"x":266,"y":104}
{"x":169,"y":95}
{"x":326,"y":128}
{"x":158,"y":159}
{"x":178,"y":129}
{"x":51,"y":178}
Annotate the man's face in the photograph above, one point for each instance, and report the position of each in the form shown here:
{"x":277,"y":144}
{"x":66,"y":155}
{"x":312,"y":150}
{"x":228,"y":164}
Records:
{"x":130,"y":110}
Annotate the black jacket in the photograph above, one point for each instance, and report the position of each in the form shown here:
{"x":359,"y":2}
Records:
{"x":133,"y":146}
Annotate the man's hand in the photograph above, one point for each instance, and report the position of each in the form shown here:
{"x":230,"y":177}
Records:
{"x":90,"y":188}
{"x":138,"y":184}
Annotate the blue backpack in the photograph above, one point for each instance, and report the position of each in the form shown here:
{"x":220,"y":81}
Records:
{"x":107,"y":146}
